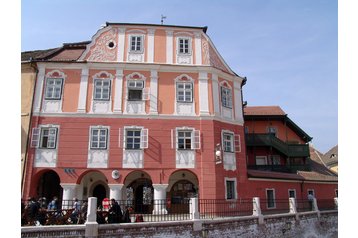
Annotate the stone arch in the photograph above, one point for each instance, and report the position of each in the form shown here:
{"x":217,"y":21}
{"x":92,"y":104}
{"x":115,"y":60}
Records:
{"x":48,"y":184}
{"x":93,"y":183}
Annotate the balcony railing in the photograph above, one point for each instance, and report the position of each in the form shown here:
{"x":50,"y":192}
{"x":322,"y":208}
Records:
{"x":290,"y":150}
{"x":281,"y":168}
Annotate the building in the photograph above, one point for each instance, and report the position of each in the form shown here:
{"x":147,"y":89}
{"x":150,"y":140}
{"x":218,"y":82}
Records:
{"x":331,"y":159}
{"x":146,"y":111}
{"x":279,"y":163}
{"x":136,"y":113}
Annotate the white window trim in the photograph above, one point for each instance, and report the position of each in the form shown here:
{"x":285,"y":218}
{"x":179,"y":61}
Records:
{"x":311,"y":189}
{"x":144,"y":138}
{"x":109,"y":90}
{"x":261,"y":157}
{"x":61,"y":76}
{"x":274,"y":127}
{"x":294,"y":191}
{"x":107,"y":137}
{"x":139,"y":77}
{"x":46,"y":87}
{"x":232,"y":142}
{"x":274,"y":198}
{"x":142,"y":36}
{"x":176,"y":103}
{"x":98,"y":77}
{"x":231,"y":97}
{"x":174,"y":138}
{"x":190,"y":45}
{"x":235,"y":188}
{"x":39,"y":134}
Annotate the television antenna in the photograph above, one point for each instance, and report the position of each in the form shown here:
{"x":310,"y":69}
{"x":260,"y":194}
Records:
{"x":162,"y":18}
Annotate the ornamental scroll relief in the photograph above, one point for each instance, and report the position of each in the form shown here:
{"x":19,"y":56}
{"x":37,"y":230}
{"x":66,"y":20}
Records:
{"x":105,"y":47}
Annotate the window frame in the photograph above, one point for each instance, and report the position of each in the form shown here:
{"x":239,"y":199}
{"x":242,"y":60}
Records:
{"x":310,"y":190}
{"x":268,"y":203}
{"x":232,"y":142}
{"x":133,"y":137}
{"x":101,"y":87}
{"x":185,"y":92}
{"x":53,"y":86}
{"x":226,"y":98}
{"x":99,"y":129}
{"x":54,"y":138}
{"x":185,"y":138}
{"x":182,"y":50}
{"x":234,"y":187}
{"x":135,"y":45}
{"x":294,"y":192}
{"x":260,"y":157}
{"x":135,"y":88}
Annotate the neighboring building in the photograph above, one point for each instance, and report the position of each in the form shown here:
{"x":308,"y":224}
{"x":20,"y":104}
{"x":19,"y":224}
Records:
{"x":278,"y":158}
{"x":331,"y":159}
{"x":146,"y":112}
{"x":136,"y":114}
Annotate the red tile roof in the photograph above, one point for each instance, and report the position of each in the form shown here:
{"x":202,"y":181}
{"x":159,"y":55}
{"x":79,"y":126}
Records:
{"x":68,"y":54}
{"x":263,"y":111}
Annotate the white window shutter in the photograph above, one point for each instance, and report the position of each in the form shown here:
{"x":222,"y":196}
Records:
{"x":146,"y":94}
{"x":35,"y":137}
{"x":237,"y":143}
{"x":195,"y":140}
{"x":173,"y":139}
{"x":124,"y":138}
{"x":119,"y":138}
{"x":144,"y":139}
{"x":51,"y":142}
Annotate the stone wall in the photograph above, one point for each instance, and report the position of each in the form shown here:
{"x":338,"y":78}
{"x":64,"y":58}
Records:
{"x":308,"y":224}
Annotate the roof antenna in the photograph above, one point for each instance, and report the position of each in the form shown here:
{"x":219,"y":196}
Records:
{"x":162,"y":18}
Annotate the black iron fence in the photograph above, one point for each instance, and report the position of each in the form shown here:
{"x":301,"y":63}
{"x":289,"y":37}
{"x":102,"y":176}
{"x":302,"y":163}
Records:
{"x":75,"y":212}
{"x":214,"y":208}
{"x":274,"y":206}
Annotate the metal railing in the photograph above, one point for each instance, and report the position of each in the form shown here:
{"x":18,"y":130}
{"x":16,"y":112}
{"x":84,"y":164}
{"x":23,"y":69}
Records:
{"x":214,"y":208}
{"x":274,"y":206}
{"x":163,"y":210}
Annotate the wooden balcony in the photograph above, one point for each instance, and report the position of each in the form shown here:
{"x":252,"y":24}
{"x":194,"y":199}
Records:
{"x":290,"y":150}
{"x":281,"y":168}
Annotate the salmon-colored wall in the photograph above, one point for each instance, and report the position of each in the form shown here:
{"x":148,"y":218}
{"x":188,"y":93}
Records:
{"x":160,"y":47}
{"x":71,"y":90}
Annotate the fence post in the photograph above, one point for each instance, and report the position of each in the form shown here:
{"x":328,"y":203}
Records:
{"x":336,"y":202}
{"x":91,"y":221}
{"x":195,"y":215}
{"x":256,"y":209}
{"x":293,"y":207}
{"x":315,"y":207}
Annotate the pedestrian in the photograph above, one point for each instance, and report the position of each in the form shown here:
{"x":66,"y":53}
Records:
{"x":76,"y":211}
{"x":115,"y":212}
{"x":53,"y":205}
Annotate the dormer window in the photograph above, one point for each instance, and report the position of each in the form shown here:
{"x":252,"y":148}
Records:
{"x":136,"y":43}
{"x":184,"y":45}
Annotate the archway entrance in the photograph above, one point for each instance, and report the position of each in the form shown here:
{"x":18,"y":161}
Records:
{"x":99,"y":191}
{"x":49,"y":186}
{"x":139,"y":192}
{"x":183,"y":185}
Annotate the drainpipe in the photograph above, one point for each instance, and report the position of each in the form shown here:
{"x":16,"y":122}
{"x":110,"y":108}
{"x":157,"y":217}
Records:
{"x":34,"y":66}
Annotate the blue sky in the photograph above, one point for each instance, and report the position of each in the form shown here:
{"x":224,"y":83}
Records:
{"x":287,"y":49}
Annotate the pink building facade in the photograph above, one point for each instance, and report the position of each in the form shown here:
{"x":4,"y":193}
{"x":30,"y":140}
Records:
{"x":137,"y":112}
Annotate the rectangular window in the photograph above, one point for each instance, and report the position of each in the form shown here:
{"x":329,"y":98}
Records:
{"x":99,"y":138}
{"x":228,"y":142}
{"x":184,"y":140}
{"x":272,"y":130}
{"x":184,"y":92}
{"x":184,"y":46}
{"x":230,"y":189}
{"x":133,"y":139}
{"x":226,"y":97}
{"x":102,"y":88}
{"x":136,"y":43}
{"x":310,"y":191}
{"x":53,"y":88}
{"x":270,"y":197}
{"x":48,"y":138}
{"x":275,"y":160}
{"x":135,"y":90}
{"x":292,"y":193}
{"x":261,"y":160}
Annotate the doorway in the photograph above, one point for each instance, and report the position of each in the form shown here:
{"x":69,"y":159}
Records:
{"x":99,"y":191}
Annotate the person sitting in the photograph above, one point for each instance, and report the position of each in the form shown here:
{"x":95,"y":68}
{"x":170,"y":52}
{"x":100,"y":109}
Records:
{"x":115,"y":212}
{"x":53,"y":205}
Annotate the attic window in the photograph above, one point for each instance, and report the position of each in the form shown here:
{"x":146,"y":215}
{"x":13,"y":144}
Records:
{"x":333,"y":156}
